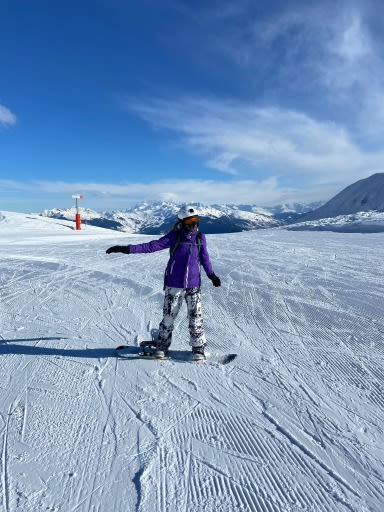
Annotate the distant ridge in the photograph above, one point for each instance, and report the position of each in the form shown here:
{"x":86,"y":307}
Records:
{"x":363,"y":196}
{"x":154,"y":218}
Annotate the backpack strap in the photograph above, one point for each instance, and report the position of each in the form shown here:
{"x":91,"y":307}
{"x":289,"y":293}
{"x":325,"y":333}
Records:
{"x":198,"y":241}
{"x":176,"y":244}
{"x":172,"y":250}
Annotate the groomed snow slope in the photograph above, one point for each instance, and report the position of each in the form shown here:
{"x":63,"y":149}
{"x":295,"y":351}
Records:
{"x":295,"y":423}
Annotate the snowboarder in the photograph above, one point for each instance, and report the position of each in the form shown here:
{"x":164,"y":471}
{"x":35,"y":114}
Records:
{"x":188,"y":250}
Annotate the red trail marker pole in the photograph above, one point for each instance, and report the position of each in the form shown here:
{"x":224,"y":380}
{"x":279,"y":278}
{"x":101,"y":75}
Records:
{"x":78,"y":219}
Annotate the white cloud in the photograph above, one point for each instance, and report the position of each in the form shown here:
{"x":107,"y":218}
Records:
{"x":6,"y":116}
{"x":108,"y":196}
{"x":353,"y":40}
{"x":223,"y":162}
{"x":206,"y":191}
{"x":329,"y":45}
{"x":267,"y":141}
{"x":351,"y":60}
{"x":371,"y":121}
{"x":323,"y":58}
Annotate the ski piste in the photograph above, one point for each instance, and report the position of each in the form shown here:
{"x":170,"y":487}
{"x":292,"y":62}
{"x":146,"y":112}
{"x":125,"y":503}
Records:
{"x":147,"y":348}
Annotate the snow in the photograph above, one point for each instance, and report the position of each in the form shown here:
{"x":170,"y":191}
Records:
{"x":295,"y":423}
{"x":360,"y":222}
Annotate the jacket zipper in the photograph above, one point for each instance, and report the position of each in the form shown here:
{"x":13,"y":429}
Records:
{"x":189,"y":259}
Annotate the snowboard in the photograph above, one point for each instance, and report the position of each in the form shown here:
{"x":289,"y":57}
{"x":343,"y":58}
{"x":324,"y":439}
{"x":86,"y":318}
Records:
{"x":147,"y":350}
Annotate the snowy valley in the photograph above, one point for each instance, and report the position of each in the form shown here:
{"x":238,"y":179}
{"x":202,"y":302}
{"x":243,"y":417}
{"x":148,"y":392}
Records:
{"x":295,"y":423}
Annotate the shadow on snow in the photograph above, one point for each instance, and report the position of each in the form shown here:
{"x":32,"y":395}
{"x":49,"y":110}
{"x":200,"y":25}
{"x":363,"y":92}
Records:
{"x":13,"y":347}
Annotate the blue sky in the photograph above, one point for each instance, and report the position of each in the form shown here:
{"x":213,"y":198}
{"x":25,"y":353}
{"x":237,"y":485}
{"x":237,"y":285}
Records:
{"x":213,"y":101}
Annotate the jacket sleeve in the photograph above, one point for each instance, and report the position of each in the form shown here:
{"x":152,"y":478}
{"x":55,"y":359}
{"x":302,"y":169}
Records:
{"x":165,"y":242}
{"x":204,"y":256}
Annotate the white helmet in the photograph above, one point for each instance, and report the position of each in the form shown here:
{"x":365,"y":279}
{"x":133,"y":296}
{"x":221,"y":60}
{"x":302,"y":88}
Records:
{"x":187,"y":211}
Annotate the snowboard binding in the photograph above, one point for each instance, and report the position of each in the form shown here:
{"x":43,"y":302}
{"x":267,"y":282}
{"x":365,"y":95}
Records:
{"x":148,"y":348}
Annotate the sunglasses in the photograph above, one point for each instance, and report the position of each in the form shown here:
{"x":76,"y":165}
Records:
{"x":191,"y":221}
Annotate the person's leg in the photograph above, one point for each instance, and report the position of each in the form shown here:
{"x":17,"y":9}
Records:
{"x":195,"y":317}
{"x":173,"y":299}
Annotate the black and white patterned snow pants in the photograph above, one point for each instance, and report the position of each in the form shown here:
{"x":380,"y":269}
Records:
{"x":173,"y":300}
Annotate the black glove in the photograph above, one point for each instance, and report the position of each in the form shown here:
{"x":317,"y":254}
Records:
{"x":118,"y":248}
{"x":215,"y":280}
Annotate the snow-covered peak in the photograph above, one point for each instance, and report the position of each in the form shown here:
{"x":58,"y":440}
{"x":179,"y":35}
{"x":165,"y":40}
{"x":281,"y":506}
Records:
{"x":363,"y":196}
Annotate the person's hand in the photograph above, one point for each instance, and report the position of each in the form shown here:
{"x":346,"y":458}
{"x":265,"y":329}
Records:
{"x":215,"y":280}
{"x":118,"y":248}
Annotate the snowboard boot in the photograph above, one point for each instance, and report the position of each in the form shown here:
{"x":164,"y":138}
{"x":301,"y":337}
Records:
{"x":198,"y":354}
{"x":161,"y":352}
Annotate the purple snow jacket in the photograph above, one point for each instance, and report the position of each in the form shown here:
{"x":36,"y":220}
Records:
{"x":183,"y":269}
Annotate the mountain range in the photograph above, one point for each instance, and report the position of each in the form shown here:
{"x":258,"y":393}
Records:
{"x":154,"y":218}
